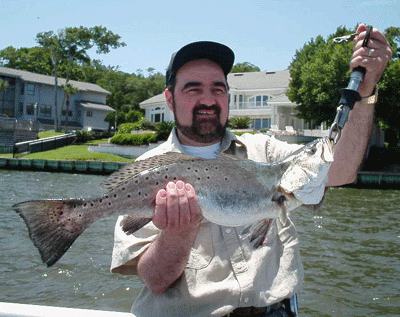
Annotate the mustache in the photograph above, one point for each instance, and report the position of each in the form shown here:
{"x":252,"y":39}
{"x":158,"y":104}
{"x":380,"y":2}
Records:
{"x":202,"y":107}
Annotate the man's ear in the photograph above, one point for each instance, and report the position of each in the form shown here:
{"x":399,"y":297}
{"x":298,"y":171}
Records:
{"x":170,"y":99}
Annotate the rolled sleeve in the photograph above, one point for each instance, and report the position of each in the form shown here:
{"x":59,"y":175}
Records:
{"x":128,"y":248}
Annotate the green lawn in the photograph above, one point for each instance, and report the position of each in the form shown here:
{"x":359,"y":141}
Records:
{"x":47,"y":134}
{"x":75,"y":152}
{"x":71,"y":152}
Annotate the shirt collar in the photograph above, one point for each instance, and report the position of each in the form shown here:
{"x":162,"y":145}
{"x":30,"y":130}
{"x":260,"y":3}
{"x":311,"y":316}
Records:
{"x":230,"y":143}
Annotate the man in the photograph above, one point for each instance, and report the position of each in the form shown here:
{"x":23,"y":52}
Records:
{"x":191,"y":267}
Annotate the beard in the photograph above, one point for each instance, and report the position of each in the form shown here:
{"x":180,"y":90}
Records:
{"x":203,"y":130}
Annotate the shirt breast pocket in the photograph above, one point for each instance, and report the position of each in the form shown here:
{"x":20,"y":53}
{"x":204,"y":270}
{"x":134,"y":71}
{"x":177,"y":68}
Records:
{"x":202,"y":251}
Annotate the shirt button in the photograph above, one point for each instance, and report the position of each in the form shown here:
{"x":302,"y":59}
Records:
{"x":228,"y":230}
{"x":246,"y":300}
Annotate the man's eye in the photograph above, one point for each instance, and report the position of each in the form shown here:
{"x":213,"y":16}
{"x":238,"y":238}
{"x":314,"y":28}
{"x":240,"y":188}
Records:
{"x":219,"y":90}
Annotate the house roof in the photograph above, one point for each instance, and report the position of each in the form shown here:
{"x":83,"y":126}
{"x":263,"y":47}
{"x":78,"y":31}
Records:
{"x":95,"y":106}
{"x":154,"y":99}
{"x":281,"y":99}
{"x":259,"y":80}
{"x":49,"y":80}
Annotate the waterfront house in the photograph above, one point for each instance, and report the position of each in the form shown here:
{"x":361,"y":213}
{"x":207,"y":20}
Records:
{"x":32,"y":96}
{"x":261,"y":96}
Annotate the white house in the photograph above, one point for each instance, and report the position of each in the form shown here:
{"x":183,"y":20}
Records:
{"x":260,"y":96}
{"x":32,"y":96}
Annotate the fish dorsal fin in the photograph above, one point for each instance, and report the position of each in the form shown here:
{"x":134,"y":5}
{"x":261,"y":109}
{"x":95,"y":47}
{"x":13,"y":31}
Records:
{"x":229,"y":157}
{"x":127,"y":172}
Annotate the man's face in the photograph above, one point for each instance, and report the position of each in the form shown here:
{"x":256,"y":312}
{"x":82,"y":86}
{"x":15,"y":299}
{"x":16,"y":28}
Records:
{"x":200,"y":103}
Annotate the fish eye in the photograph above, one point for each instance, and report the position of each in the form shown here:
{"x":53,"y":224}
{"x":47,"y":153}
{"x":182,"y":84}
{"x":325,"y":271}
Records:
{"x":312,"y":150}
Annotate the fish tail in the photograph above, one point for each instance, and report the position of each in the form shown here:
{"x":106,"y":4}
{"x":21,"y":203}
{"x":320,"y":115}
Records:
{"x":53,"y":225}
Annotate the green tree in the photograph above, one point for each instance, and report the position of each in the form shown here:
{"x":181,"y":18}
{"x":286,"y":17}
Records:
{"x":244,"y":67}
{"x":70,"y":45}
{"x":320,"y":69}
{"x":68,"y":90}
{"x":387,"y":110}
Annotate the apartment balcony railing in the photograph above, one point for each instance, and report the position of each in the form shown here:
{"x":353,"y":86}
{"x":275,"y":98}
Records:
{"x":250,"y":105}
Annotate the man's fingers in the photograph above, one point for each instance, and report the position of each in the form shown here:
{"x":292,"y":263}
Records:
{"x":160,"y":215}
{"x":172,"y":205}
{"x":195,"y":211}
{"x":184,"y":208}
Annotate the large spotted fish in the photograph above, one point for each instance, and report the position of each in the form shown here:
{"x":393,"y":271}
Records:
{"x":231,"y":192}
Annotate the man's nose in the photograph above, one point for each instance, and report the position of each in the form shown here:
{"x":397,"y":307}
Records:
{"x":207,"y":98}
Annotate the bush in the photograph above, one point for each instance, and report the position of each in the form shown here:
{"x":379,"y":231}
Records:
{"x":126,"y":127}
{"x":240,"y":123}
{"x":163,"y":130}
{"x":133,"y":139}
{"x":134,"y":116}
{"x":82,"y":136}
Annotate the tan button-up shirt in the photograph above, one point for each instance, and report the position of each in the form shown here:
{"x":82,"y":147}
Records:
{"x":224,"y":271}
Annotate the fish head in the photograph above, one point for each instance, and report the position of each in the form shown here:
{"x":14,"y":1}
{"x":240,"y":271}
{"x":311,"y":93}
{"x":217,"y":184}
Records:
{"x":307,"y":173}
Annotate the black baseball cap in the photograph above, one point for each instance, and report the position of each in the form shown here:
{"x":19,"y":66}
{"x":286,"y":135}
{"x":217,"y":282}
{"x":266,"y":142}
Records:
{"x":216,"y":52}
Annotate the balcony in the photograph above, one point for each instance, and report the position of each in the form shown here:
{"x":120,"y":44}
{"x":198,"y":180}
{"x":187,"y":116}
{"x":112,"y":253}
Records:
{"x":256,"y":105}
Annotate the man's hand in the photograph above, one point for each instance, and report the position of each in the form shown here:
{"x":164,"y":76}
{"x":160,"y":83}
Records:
{"x":177,"y":215}
{"x":374,"y":58}
{"x":176,"y":209}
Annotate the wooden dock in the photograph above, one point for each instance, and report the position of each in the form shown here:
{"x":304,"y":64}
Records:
{"x":377,"y":180}
{"x":88,"y":167}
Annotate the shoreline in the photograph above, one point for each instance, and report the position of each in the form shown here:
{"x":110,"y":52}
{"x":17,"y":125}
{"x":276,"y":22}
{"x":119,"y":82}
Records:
{"x":61,"y":166}
{"x":365,"y":179}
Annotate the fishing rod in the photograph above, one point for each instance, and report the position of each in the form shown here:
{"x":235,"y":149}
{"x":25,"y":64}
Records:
{"x":350,"y":94}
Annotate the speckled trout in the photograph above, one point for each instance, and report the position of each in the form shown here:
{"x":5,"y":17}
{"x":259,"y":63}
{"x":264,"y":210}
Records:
{"x":231,"y":192}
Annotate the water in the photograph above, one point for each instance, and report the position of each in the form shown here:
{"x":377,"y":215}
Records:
{"x":350,"y":250}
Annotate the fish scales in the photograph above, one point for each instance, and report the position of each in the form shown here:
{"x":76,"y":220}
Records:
{"x":230,"y":191}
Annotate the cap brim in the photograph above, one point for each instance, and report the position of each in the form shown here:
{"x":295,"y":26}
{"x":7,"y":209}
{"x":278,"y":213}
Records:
{"x":216,"y":52}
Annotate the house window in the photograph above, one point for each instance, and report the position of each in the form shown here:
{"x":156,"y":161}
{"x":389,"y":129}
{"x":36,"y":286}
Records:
{"x":258,"y":101}
{"x":30,"y":89}
{"x":266,"y":123}
{"x":64,"y":113}
{"x":45,"y":111}
{"x":241,"y":101}
{"x":158,"y":115}
{"x":89,"y":113}
{"x":30,"y":109}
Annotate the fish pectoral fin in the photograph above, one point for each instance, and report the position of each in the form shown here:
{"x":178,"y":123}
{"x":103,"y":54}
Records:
{"x":257,"y":232}
{"x":131,"y":224}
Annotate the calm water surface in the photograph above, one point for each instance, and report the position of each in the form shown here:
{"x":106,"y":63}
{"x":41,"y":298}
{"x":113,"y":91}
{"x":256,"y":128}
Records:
{"x":350,"y":249}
